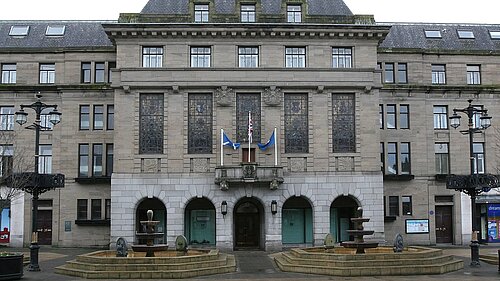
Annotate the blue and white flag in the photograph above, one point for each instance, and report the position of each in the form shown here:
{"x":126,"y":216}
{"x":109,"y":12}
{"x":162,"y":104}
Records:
{"x":269,"y":143}
{"x":227,"y":142}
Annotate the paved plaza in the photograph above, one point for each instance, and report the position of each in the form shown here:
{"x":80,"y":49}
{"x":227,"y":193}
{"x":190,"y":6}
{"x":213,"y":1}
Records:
{"x":257,"y":265}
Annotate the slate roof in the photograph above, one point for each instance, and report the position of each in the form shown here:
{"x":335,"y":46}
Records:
{"x":269,"y":7}
{"x":412,"y":36}
{"x":78,"y":34}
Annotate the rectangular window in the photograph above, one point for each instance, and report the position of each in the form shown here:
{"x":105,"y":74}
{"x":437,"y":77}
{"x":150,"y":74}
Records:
{"x":473,"y":74}
{"x":98,"y":117}
{"x":404,"y":116}
{"x":84,"y":117}
{"x":382,"y":157}
{"x":294,"y":13}
{"x":391,"y":116}
{"x":110,"y":117}
{"x":19,"y":30}
{"x":465,"y":34}
{"x":440,"y":117}
{"x":99,"y":72}
{"x":438,"y":73}
{"x":97,"y":160}
{"x":392,"y":158}
{"x":107,"y":209}
{"x":442,"y":158}
{"x":476,"y":118}
{"x":81,"y":209}
{"x":342,"y":57}
{"x":47,"y":73}
{"x":407,"y":208}
{"x":344,"y":127}
{"x":83,"y":160}
{"x":296,"y":123}
{"x":478,"y":151}
{"x":295,"y":57}
{"x":393,"y":206}
{"x":402,"y":73}
{"x":200,"y":119}
{"x":247,"y":13}
{"x":151,"y":123}
{"x":200,"y":56}
{"x":248,"y":57}
{"x":45,"y":123}
{"x":389,"y":73}
{"x":381,"y":115}
{"x":7,"y":160}
{"x":433,"y":34}
{"x":201,"y":13}
{"x":247,"y":103}
{"x":6,"y":118}
{"x":111,"y":66}
{"x":494,"y":34}
{"x":109,"y":159}
{"x":9,"y":75}
{"x":55,"y":30}
{"x":45,"y":159}
{"x":86,"y":72}
{"x":95,"y":210}
{"x":152,"y":56}
{"x":405,"y":158}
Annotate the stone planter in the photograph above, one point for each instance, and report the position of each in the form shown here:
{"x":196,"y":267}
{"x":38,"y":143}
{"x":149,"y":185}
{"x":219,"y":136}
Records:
{"x":11,"y":266}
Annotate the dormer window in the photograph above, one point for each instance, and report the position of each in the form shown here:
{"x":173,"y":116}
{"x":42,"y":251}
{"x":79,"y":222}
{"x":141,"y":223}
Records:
{"x":201,"y":13}
{"x":294,"y":13}
{"x":55,"y":30}
{"x":495,"y":34}
{"x":465,"y":34}
{"x":433,"y":34}
{"x":248,"y":13}
{"x":19,"y":30}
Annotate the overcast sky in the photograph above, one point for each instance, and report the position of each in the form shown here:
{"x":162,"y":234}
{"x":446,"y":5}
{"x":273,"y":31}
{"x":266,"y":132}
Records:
{"x":435,"y":11}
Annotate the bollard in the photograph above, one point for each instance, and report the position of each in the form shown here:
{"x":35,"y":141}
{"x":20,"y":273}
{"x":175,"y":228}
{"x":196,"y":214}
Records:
{"x":498,"y":260}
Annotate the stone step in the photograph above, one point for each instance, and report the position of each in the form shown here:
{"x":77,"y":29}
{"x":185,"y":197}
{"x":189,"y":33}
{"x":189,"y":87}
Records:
{"x":491,"y":259}
{"x":109,"y":258}
{"x":409,"y":269}
{"x":201,"y":270}
{"x":292,"y":259}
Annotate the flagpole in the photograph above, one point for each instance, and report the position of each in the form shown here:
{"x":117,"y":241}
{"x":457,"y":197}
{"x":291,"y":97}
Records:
{"x":275,"y":147}
{"x":249,"y":135}
{"x":222,"y":147}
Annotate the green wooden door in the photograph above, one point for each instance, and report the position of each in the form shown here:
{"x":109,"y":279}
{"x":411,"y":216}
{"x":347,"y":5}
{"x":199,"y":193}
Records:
{"x":334,"y":228}
{"x":293,"y":226}
{"x":202,"y":227}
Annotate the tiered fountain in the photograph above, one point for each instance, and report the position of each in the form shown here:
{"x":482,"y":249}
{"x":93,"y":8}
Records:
{"x":358,"y":232}
{"x":149,"y":234}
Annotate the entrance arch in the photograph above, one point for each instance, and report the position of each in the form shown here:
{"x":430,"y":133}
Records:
{"x":297,"y":222}
{"x":159,"y":214}
{"x":342,"y":210}
{"x":199,"y":222}
{"x":248,"y":224}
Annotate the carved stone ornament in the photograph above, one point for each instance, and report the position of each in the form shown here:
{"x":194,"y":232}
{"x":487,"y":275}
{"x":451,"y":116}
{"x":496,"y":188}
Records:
{"x":272,"y":96}
{"x":224,"y":96}
{"x":398,"y":243}
{"x":329,"y":242}
{"x":121,"y":247}
{"x":181,"y":243}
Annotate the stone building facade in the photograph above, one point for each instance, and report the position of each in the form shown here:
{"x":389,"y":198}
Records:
{"x":147,"y":101}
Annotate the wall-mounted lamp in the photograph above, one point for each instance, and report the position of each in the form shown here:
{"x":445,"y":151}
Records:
{"x":274,"y":207}
{"x":223,"y":208}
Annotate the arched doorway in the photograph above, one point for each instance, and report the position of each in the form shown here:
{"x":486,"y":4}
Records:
{"x":247,"y":224}
{"x":341,"y":211}
{"x":297,"y":223}
{"x":159,"y":214}
{"x":199,"y":222}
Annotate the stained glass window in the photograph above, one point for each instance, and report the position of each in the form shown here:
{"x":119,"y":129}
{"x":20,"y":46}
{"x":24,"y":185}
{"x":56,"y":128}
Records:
{"x":344,"y":129}
{"x":200,"y":123}
{"x":247,"y":103}
{"x":151,"y":124}
{"x":296,"y":123}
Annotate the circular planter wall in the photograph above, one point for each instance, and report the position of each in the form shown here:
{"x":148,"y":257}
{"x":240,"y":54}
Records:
{"x":11,"y":266}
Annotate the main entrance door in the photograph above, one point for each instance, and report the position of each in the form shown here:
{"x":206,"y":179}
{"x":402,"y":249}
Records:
{"x":44,"y":227}
{"x":247,"y":226}
{"x":444,"y":230}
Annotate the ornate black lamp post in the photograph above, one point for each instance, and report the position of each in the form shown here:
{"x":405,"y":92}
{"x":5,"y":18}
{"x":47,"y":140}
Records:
{"x":475,"y":183}
{"x":36,"y":183}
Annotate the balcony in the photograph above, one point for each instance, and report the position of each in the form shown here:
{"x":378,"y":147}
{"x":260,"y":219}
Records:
{"x":230,"y":176}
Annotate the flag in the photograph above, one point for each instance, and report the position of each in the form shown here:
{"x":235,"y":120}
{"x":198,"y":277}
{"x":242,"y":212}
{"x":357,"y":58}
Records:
{"x":269,"y":143}
{"x":250,"y":127}
{"x":227,"y":142}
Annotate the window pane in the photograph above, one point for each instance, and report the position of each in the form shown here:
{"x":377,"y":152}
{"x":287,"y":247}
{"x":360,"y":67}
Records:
{"x":84,"y":117}
{"x":296,"y":123}
{"x":200,"y":123}
{"x":393,"y":206}
{"x":98,"y":117}
{"x":110,"y":119}
{"x":97,"y":160}
{"x":407,"y":208}
{"x":392,"y":159}
{"x":404,"y":116}
{"x":95,"y":213}
{"x":81,"y":207}
{"x":344,"y":129}
{"x":440,"y":117}
{"x":247,"y":103}
{"x":99,"y":72}
{"x":405,"y":158}
{"x":391,"y":116}
{"x":151,"y":124}
{"x":83,"y":160}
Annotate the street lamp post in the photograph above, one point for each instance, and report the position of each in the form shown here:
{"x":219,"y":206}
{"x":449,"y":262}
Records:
{"x":472,"y":185}
{"x":37,"y":188}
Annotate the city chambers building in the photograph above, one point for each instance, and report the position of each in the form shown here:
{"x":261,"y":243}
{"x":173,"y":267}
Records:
{"x":250,"y":125}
